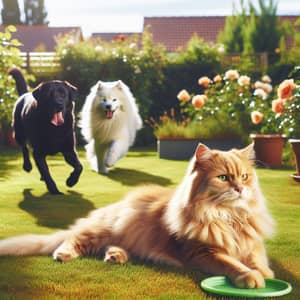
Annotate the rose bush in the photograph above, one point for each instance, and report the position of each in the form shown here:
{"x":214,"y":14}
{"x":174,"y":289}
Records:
{"x":237,"y":105}
{"x":287,"y":107}
{"x":235,"y":98}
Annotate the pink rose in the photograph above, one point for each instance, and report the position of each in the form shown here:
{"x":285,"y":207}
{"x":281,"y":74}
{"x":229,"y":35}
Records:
{"x":217,"y":78}
{"x":232,"y":74}
{"x":256,"y":117}
{"x":244,"y":80}
{"x":278,"y":106}
{"x":198,"y":101}
{"x":266,"y":79}
{"x":183,"y":96}
{"x":285,"y":89}
{"x":204,"y":81}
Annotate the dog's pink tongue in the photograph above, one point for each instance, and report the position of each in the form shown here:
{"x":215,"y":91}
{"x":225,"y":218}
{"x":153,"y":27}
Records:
{"x":57,"y":119}
{"x":109,"y":114}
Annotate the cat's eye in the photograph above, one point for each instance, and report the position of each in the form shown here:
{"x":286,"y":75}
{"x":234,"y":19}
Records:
{"x":114,"y":100}
{"x":244,"y":176}
{"x":104,"y":100}
{"x":224,"y":177}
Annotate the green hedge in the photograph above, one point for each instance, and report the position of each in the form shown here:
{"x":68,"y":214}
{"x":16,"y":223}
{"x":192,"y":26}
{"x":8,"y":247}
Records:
{"x":153,"y":76}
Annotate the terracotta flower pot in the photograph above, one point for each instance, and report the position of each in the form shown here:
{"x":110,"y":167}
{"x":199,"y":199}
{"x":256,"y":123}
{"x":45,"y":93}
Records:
{"x":268,"y":149}
{"x":295,"y":143}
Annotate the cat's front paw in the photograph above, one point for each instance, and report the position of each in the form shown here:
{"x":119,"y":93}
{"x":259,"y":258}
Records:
{"x":266,"y":272}
{"x":64,"y":255}
{"x":116,"y":255}
{"x":250,"y":279}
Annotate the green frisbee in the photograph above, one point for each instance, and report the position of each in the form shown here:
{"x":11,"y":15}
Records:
{"x":220,"y":285}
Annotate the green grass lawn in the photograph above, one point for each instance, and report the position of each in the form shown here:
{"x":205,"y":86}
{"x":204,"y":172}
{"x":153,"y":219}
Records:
{"x":26,"y":207}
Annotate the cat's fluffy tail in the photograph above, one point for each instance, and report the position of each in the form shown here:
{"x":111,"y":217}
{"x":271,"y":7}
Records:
{"x":32,"y":244}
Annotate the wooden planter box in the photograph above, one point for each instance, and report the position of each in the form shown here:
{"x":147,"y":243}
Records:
{"x":183,"y":149}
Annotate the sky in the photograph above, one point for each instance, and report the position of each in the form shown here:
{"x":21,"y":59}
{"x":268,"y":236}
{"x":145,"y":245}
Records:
{"x":127,"y":15}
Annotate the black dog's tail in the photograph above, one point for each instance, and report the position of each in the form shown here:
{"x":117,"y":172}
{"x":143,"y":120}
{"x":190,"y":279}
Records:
{"x":18,"y":76}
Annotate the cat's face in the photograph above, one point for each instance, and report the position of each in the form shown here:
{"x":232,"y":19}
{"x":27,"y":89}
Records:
{"x":225,"y":177}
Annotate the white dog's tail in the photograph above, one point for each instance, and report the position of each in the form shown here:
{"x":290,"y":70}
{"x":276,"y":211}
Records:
{"x":32,"y":244}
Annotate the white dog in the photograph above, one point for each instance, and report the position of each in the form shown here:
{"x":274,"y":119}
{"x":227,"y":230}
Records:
{"x":109,"y":122}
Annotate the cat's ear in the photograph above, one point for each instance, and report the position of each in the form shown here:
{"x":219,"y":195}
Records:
{"x":248,"y":152}
{"x":202,"y":152}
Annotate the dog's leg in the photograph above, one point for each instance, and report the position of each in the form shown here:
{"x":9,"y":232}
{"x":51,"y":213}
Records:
{"x":42,"y":166}
{"x":20,"y":137}
{"x":72,"y":159}
{"x":116,"y":151}
{"x":101,"y":150}
{"x":27,"y":166}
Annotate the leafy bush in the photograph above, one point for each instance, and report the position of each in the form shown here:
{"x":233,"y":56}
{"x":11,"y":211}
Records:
{"x":199,"y":58}
{"x":9,"y":56}
{"x":153,"y":76}
{"x":183,"y":127}
{"x":138,"y":63}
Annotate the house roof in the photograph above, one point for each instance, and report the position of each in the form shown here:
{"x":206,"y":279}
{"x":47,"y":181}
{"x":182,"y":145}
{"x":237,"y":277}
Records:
{"x":111,"y":36}
{"x":42,"y":37}
{"x":175,"y":32}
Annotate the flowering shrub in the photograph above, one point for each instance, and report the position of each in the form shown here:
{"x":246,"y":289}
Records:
{"x":9,"y":55}
{"x":287,"y":107}
{"x":233,"y":100}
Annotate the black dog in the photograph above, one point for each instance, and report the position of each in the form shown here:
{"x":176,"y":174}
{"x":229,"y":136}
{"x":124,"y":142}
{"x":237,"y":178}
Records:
{"x":45,"y":120}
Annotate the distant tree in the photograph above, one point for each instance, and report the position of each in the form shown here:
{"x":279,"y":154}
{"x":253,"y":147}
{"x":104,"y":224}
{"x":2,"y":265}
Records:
{"x":35,"y":12}
{"x":262,"y":32}
{"x":10,"y":12}
{"x":291,"y":36}
{"x":232,"y":37}
{"x":252,"y":30}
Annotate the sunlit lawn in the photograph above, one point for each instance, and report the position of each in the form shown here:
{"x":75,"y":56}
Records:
{"x":25,"y":207}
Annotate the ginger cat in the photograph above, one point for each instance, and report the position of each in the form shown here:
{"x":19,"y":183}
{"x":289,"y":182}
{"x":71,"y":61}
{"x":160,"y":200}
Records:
{"x":215,"y":220}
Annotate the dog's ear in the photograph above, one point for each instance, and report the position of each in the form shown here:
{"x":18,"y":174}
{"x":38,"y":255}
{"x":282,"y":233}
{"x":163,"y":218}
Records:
{"x":72,"y":90}
{"x":37,"y":91}
{"x":120,"y":84}
{"x":99,"y":85}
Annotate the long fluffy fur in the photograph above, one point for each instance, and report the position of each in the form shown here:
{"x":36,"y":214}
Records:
{"x":98,"y":130}
{"x":216,"y":226}
{"x":32,"y":244}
